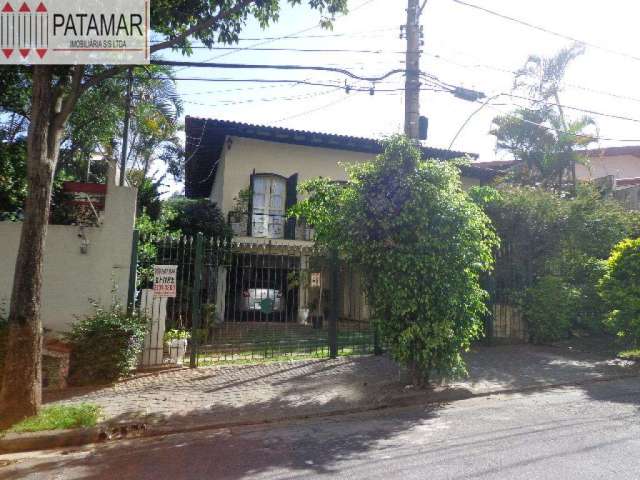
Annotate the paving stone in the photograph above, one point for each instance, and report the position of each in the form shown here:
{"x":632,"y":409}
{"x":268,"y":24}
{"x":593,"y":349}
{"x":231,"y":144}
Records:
{"x":255,"y":392}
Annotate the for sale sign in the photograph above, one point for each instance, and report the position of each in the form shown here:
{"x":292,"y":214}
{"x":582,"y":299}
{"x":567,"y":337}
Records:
{"x":74,"y":32}
{"x":164,"y":280}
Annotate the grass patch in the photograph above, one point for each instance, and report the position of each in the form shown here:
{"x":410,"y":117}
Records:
{"x":60,"y":417}
{"x":630,"y":354}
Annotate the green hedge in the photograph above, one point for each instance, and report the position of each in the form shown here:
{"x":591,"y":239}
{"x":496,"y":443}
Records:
{"x":105,"y":345}
{"x":620,"y":289}
{"x":549,"y":307}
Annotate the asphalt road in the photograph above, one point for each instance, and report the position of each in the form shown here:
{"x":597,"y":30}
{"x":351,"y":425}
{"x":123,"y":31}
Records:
{"x":586,"y":432}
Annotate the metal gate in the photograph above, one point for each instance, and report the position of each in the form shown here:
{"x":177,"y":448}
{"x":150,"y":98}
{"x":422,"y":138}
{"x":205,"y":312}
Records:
{"x":248,"y":302}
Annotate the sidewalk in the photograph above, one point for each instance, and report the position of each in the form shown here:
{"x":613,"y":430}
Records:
{"x":227,"y":395}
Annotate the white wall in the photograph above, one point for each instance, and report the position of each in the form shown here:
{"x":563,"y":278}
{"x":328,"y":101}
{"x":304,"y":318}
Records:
{"x":620,"y":166}
{"x":246,"y":154}
{"x":70,"y":277}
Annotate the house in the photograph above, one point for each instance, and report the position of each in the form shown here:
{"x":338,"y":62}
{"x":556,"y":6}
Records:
{"x":251,"y":172}
{"x":616,"y":168}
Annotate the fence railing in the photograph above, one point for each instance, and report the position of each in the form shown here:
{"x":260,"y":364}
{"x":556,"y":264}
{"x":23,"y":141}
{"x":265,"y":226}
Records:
{"x":248,"y":302}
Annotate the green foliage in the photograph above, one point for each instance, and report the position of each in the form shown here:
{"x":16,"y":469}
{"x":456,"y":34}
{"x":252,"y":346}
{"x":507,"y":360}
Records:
{"x":529,"y":222}
{"x":549,"y":307}
{"x":539,"y":134}
{"x":192,"y":216}
{"x":60,"y":417}
{"x":148,"y":196}
{"x":620,"y":288}
{"x":105,"y":345}
{"x":13,"y":178}
{"x":175,"y":334}
{"x":420,"y":243}
{"x":170,"y":18}
{"x":544,"y":233}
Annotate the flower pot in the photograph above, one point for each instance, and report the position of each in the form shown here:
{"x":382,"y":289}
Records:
{"x":177,"y":349}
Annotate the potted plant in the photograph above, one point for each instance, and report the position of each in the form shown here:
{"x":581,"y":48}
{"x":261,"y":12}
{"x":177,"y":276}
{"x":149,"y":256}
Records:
{"x":176,"y":341}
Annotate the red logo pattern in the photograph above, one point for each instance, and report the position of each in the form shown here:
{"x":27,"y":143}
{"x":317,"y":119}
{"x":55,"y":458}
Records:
{"x":24,"y":30}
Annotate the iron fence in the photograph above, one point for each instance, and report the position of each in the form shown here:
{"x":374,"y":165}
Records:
{"x":243,"y":302}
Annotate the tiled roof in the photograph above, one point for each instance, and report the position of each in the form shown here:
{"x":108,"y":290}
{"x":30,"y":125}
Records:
{"x":205,"y":138}
{"x":633,"y":150}
{"x":627,"y":182}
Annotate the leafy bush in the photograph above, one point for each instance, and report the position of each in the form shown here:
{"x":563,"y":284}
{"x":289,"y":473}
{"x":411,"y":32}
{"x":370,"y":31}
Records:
{"x":543,"y":234}
{"x":620,"y":288}
{"x":548,"y":308}
{"x":420,"y":244}
{"x":583,"y":273}
{"x":105,"y":345}
{"x":193,"y":216}
{"x":175,"y":334}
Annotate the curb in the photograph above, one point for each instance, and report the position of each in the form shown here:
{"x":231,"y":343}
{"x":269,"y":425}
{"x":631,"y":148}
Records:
{"x":23,"y":442}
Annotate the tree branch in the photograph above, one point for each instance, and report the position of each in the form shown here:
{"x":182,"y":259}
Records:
{"x":203,"y":24}
{"x":71,"y":99}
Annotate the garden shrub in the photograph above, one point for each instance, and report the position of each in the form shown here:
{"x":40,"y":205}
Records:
{"x":583,"y":273}
{"x":420,"y":243}
{"x":620,"y":289}
{"x":543,"y":233}
{"x":548,"y":308}
{"x":105,"y":345}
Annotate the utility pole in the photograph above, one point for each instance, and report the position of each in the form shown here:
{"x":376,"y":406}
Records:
{"x":412,"y":83}
{"x":125,"y":134}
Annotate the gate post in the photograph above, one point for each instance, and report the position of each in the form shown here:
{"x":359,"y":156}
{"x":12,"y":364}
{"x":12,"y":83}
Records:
{"x":196,"y":302}
{"x":334,"y":275}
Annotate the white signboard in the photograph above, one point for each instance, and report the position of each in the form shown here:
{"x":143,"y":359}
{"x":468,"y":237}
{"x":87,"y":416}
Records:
{"x":68,"y":32}
{"x":315,"y":279}
{"x":164,"y":280}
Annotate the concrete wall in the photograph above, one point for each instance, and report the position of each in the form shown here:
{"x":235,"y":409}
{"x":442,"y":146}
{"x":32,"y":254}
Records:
{"x":245,"y":155}
{"x":71,"y":278}
{"x":619,"y":166}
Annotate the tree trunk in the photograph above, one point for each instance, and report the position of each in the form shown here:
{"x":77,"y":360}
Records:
{"x":21,"y":393}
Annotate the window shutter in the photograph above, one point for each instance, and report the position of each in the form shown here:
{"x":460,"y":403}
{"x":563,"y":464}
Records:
{"x":250,"y":210}
{"x":290,"y":201}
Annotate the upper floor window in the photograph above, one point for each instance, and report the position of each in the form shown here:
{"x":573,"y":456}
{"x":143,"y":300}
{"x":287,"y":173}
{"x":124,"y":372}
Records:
{"x":268,"y":202}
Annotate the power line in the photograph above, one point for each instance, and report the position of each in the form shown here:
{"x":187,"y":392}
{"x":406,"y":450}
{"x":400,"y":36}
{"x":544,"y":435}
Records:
{"x":571,"y":107}
{"x":304,"y":30}
{"x":545,"y":127}
{"x":546,"y":30}
{"x":267,"y":99}
{"x":296,"y":37}
{"x":343,"y":71}
{"x":303,"y":50}
{"x":513,"y":72}
{"x":313,"y":110}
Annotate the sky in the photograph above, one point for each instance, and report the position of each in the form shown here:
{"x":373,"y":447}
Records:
{"x":462,"y":46}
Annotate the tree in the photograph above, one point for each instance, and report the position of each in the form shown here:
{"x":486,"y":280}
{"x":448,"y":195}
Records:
{"x":420,"y":244}
{"x":192,"y":216}
{"x":55,"y":93}
{"x":154,"y":126}
{"x":539,"y":134}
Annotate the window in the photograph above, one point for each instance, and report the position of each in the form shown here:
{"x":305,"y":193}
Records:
{"x":268,"y":200}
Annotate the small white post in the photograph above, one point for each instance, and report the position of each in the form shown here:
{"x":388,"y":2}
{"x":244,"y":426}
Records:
{"x":155,"y":309}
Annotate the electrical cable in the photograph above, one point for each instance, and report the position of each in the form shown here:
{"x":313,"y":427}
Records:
{"x":546,"y":30}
